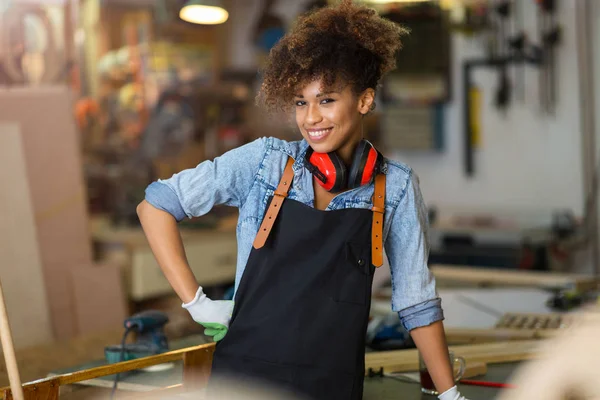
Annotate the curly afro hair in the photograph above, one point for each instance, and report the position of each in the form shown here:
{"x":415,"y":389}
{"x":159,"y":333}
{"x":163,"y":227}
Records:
{"x":346,"y":43}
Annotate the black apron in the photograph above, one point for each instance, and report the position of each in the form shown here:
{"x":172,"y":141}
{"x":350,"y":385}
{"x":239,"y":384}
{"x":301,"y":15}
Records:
{"x":302,"y":306}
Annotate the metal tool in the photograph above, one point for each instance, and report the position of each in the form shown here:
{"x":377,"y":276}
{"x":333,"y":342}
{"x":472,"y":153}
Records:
{"x":150,"y":339}
{"x":549,"y":33}
{"x":503,"y":93}
{"x":517,"y":43}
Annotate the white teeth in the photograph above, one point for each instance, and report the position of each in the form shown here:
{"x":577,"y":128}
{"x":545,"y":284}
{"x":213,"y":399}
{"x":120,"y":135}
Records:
{"x":318,"y":133}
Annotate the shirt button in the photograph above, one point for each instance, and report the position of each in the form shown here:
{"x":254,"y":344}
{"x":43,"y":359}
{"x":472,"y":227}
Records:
{"x":361,"y":261}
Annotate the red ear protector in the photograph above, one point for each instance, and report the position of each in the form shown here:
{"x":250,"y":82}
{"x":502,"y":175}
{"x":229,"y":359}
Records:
{"x":332,"y":174}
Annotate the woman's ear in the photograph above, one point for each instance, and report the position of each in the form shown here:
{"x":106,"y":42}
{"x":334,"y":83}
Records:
{"x":366,"y":101}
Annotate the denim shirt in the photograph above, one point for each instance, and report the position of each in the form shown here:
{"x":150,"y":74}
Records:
{"x":247,"y":176}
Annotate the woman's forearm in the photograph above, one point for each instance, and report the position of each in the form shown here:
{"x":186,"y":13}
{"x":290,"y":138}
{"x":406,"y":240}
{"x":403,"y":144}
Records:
{"x":165,"y":241}
{"x":431,"y":342}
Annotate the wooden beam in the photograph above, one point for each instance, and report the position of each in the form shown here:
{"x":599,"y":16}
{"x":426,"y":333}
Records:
{"x":125,"y":366}
{"x":44,"y":390}
{"x":458,"y":336}
{"x":500,"y":277}
{"x":197,"y":365}
{"x":489,"y":353}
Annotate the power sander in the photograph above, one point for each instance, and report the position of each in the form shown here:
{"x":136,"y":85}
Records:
{"x":150,"y":338}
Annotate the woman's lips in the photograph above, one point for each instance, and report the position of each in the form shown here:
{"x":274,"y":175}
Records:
{"x":317,"y":135}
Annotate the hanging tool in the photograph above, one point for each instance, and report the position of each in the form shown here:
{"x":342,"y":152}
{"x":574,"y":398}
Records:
{"x":540,"y":21}
{"x":517,"y":44}
{"x":468,"y":88}
{"x":503,"y":92}
{"x":549,"y":33}
{"x":9,"y":351}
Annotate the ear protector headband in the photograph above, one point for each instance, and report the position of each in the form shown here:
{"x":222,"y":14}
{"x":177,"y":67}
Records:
{"x":333,"y":175}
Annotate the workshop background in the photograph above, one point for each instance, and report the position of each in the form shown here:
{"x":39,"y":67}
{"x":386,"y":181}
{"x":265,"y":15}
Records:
{"x":493,"y":105}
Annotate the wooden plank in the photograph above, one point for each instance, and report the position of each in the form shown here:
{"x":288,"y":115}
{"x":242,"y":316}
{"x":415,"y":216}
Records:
{"x":47,"y":390}
{"x":474,"y":369}
{"x":456,"y":336}
{"x":499,"y":277}
{"x":535,"y":321}
{"x":490,"y":353}
{"x":111,"y":369}
{"x":468,"y":335}
{"x":54,"y":174}
{"x":101,"y":301}
{"x":197,"y":365}
{"x":20,"y":259}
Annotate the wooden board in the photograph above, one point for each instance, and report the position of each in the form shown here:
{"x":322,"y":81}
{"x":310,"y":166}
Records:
{"x":54,"y":174}
{"x":20,"y":261}
{"x":489,"y":353}
{"x":472,"y":370}
{"x":535,"y":322}
{"x":499,"y":277}
{"x":101,"y":304}
{"x":197,"y":363}
{"x":514,"y":326}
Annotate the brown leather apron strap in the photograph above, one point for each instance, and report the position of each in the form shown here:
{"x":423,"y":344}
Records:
{"x":271,"y":215}
{"x":378,"y":212}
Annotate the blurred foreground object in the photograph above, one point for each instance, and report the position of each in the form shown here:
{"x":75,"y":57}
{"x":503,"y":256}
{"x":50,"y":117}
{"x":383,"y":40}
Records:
{"x":567,"y":367}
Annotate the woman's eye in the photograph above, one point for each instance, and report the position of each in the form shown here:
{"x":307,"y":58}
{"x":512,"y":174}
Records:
{"x":300,"y":103}
{"x":326,"y":101}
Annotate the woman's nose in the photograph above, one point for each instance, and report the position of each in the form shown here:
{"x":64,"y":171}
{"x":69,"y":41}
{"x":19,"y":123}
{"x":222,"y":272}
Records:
{"x":313,"y":115}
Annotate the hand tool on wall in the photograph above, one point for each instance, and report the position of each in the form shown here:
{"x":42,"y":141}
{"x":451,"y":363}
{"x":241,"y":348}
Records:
{"x":9,"y":351}
{"x":549,"y":34}
{"x":504,"y":90}
{"x":468,"y":90}
{"x":540,"y":22}
{"x":517,"y":43}
{"x":514,"y":50}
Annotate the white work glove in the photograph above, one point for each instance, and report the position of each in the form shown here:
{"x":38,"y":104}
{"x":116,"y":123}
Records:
{"x":213,"y":315}
{"x":452,"y":394}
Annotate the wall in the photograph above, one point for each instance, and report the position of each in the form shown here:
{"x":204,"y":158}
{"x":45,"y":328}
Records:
{"x":528,"y":161}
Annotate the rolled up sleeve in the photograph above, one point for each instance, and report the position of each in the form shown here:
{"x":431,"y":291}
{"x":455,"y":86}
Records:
{"x":225,"y":180}
{"x":421,"y":314}
{"x":164,"y":198}
{"x":414,"y":294}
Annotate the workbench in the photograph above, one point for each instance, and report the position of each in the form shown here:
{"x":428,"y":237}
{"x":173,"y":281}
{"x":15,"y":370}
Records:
{"x":376,"y":388}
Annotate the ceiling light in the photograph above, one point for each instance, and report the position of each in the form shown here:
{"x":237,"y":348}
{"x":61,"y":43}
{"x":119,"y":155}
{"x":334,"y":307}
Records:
{"x":206,"y":12}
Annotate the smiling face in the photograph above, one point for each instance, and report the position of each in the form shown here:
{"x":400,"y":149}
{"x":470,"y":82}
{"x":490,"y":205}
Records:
{"x":330,"y":119}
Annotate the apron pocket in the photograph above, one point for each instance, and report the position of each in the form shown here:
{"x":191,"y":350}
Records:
{"x":320,"y":384}
{"x":252,"y":373}
{"x":353,"y":275}
{"x":269,"y":374}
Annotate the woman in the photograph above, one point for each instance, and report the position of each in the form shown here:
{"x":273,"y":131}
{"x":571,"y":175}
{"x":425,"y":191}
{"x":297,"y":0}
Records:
{"x":315,"y":216}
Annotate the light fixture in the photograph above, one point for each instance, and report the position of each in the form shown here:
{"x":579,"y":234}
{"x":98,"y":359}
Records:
{"x":206,"y":12}
{"x":394,"y":1}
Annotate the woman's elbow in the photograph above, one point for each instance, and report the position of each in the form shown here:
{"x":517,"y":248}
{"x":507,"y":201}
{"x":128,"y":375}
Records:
{"x":142,"y":208}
